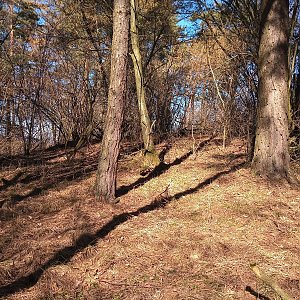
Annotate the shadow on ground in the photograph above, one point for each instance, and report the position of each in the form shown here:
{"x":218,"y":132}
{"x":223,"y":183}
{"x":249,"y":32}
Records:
{"x":64,"y":255}
{"x":47,"y":175}
{"x":53,"y":175}
{"x":42,"y":157}
{"x":160,"y":169}
{"x":44,"y":178}
{"x":10,"y":182}
{"x":254,"y":293}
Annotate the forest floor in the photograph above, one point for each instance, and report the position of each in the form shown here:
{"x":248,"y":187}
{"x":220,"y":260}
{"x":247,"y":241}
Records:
{"x":187,"y":230}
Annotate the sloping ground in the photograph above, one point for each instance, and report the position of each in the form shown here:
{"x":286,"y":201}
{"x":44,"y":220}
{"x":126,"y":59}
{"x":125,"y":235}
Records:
{"x":188,"y":230}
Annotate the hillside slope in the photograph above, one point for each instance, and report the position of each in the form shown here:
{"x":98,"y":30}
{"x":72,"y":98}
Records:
{"x":188,"y":230}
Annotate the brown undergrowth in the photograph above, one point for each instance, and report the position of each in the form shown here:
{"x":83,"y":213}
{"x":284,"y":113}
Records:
{"x":187,"y":230}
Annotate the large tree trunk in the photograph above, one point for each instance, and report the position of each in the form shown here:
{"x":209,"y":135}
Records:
{"x":105,"y":185}
{"x":151,"y":157}
{"x":271,"y":153}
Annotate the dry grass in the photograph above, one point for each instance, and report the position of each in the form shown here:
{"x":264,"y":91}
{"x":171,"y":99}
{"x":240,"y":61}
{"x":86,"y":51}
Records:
{"x":189,"y":232}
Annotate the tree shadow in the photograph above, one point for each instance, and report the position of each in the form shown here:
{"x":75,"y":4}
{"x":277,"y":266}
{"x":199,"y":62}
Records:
{"x":7,"y":183}
{"x":229,"y":156}
{"x":35,"y":159}
{"x":53,"y":176}
{"x":35,"y":192}
{"x":164,"y":152}
{"x":64,"y":255}
{"x":256,"y":294}
{"x":45,"y":156}
{"x":225,"y":160}
{"x":160,"y":169}
{"x":56,"y":174}
{"x":67,"y":171}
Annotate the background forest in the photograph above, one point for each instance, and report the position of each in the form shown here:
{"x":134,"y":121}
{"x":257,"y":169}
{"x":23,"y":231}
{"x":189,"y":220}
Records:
{"x":199,"y":62}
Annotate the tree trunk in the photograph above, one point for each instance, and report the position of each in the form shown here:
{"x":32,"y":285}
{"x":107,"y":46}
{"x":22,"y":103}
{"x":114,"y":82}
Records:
{"x":271,"y":153}
{"x":9,"y":101}
{"x":292,"y":56}
{"x":105,"y":185}
{"x":151,"y":158}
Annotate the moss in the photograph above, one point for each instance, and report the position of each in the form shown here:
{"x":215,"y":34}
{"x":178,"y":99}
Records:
{"x":150,"y":160}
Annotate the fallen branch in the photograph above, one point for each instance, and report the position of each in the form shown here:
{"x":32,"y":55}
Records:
{"x":270,"y":282}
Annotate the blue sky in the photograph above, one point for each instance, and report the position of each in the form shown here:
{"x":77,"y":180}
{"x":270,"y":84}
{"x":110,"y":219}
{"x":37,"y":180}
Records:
{"x":184,"y":16}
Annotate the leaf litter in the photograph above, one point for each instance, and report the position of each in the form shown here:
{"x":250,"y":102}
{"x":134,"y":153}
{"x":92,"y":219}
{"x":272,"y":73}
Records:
{"x":188,"y":230}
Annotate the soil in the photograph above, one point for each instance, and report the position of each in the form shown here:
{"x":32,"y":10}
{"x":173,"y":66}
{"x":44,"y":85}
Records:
{"x":189,"y":229}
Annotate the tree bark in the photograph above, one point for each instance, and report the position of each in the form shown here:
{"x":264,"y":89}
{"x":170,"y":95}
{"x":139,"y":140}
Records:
{"x":151,"y":157}
{"x":271,"y":152}
{"x":9,"y":100}
{"x":105,"y":185}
